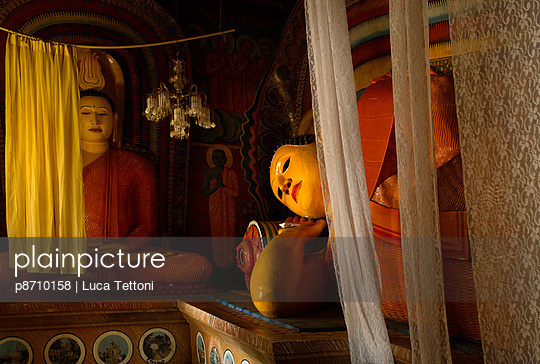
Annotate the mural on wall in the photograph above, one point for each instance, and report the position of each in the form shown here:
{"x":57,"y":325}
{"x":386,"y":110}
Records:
{"x":230,"y":69}
{"x":220,"y":184}
{"x":220,"y":73}
{"x":282,"y":102}
{"x":234,"y":70}
{"x":246,"y":77}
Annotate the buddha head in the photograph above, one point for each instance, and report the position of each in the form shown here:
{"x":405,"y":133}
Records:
{"x":295,"y":180}
{"x":98,"y":116}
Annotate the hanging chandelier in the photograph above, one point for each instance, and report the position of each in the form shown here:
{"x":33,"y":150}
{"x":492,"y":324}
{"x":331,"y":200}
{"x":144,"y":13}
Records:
{"x":183,"y":107}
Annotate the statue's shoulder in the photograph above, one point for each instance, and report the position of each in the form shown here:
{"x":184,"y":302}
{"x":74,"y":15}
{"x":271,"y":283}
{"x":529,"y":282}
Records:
{"x":139,"y":150}
{"x":134,"y":161}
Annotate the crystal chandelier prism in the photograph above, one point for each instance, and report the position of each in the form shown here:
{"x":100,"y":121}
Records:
{"x":183,"y":107}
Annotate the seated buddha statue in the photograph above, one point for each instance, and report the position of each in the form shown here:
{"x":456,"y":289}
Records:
{"x":119,"y":186}
{"x":120,"y":195}
{"x":285,"y":281}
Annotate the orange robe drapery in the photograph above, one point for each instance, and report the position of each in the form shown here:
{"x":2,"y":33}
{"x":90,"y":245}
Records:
{"x":120,"y":196}
{"x":222,"y":211}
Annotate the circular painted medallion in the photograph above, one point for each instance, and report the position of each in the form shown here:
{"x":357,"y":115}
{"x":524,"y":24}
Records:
{"x":228,"y":357}
{"x":112,"y":347}
{"x":16,"y":350}
{"x":201,"y":349}
{"x":157,"y":345}
{"x":64,"y":349}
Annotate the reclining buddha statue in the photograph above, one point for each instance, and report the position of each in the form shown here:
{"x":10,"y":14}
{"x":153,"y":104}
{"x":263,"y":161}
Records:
{"x":285,"y":281}
{"x":279,"y":273}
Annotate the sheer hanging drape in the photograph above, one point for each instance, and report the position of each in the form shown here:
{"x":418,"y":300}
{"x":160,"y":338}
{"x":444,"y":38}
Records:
{"x":418,"y":205}
{"x":44,"y":187}
{"x":496,"y":60}
{"x":344,"y":183}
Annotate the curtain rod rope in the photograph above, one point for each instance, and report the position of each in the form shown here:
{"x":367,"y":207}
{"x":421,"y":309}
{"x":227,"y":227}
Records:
{"x":125,"y":46}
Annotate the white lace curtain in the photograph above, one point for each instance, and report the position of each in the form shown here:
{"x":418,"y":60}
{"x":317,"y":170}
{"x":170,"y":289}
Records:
{"x":418,"y":205}
{"x":496,"y":60}
{"x":336,"y":122}
{"x":338,"y":139}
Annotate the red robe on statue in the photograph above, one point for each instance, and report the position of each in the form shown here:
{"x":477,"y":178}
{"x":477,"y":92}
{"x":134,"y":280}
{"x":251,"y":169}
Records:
{"x":120,"y":196}
{"x":121,"y":201}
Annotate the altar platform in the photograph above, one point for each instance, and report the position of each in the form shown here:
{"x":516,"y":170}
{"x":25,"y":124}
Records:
{"x":219,"y":327}
{"x":228,"y":325}
{"x":198,"y":329}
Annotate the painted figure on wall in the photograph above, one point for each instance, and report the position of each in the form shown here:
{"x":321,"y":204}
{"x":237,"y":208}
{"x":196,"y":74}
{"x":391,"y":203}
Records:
{"x":245,"y":74}
{"x":220,"y":71}
{"x":220,"y":183}
{"x":266,"y":50}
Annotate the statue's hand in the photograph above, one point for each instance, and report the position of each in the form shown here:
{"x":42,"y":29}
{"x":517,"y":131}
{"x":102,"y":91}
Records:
{"x":91,"y":244}
{"x":112,"y":247}
{"x":305,"y":228}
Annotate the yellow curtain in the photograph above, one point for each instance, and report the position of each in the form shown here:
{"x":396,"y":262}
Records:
{"x":44,"y":187}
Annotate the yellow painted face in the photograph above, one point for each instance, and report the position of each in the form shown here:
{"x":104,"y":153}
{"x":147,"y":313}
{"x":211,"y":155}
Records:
{"x":97,"y":119}
{"x":295,"y":180}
